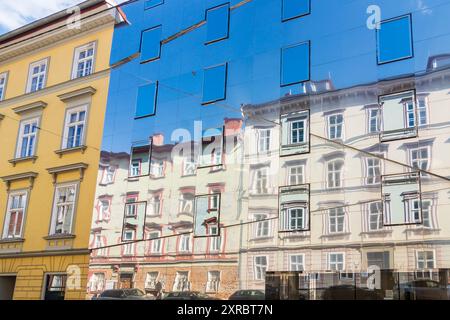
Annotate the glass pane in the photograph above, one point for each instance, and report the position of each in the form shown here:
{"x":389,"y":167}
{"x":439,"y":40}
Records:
{"x":214,"y":84}
{"x":395,"y":40}
{"x":146,"y":100}
{"x":217,"y":20}
{"x":151,"y":44}
{"x":295,"y":64}
{"x":152,"y":3}
{"x":295,"y":8}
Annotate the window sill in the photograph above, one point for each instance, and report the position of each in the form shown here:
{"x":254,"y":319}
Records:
{"x":188,"y":175}
{"x":261,"y":238}
{"x":61,"y":152}
{"x":336,"y":234}
{"x":12,"y":240}
{"x":17,"y":160}
{"x":59,"y":236}
{"x":375,"y":232}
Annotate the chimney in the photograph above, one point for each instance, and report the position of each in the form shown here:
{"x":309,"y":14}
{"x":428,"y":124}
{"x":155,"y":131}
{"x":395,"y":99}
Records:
{"x":158,"y":139}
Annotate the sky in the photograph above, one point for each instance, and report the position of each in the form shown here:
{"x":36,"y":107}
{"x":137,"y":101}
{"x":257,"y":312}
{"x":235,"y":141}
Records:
{"x":16,"y":13}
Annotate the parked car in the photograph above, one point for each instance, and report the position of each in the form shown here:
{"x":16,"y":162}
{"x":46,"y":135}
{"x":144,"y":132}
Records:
{"x":188,"y":295}
{"x":424,"y":289}
{"x":124,"y":294}
{"x":349,"y":292}
{"x":248,"y":295}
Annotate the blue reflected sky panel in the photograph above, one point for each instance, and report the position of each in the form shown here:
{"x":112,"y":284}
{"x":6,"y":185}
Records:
{"x":214,"y":84}
{"x":148,"y":4}
{"x":395,"y":40}
{"x":217,"y":23}
{"x":295,"y":64}
{"x":146,"y":100}
{"x":292,"y":9}
{"x":151,"y":44}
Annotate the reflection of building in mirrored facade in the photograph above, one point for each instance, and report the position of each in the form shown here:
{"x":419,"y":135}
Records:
{"x":211,"y":182}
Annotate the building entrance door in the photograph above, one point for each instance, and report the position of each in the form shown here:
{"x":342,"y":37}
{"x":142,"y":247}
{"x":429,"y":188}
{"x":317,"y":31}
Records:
{"x":126,"y":281}
{"x":7,"y":284}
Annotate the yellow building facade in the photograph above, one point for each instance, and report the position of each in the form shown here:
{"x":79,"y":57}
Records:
{"x":54,"y":78}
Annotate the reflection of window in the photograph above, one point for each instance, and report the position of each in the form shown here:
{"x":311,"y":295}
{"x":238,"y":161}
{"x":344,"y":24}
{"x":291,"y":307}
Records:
{"x":74,"y":127}
{"x":97,"y":282}
{"x":334,"y":174}
{"x":295,"y":175}
{"x":215,"y":242}
{"x":3,"y":79}
{"x":155,"y":205}
{"x":55,"y":287}
{"x":420,"y":158}
{"x":263,"y":140}
{"x":185,"y":243}
{"x":427,"y":219}
{"x":37,"y":76}
{"x":151,"y":44}
{"x":261,"y":181}
{"x":146,"y":100}
{"x":151,"y":280}
{"x":260,"y":267}
{"x":212,"y":285}
{"x":135,"y":169}
{"x":294,"y":133}
{"x":217,"y":20}
{"x":84,"y":61}
{"x":297,"y":131}
{"x":157,"y":168}
{"x":336,"y":220}
{"x":374,"y":120}
{"x":335,"y":126}
{"x":425,"y":260}
{"x":140,"y":160}
{"x":104,"y":209}
{"x":181,"y":282}
{"x":128,"y":235}
{"x":336,"y":261}
{"x":109,"y":174}
{"x":214,"y":83}
{"x":422,"y":111}
{"x":26,"y":142}
{"x":395,"y":39}
{"x":295,"y":9}
{"x":15,"y":214}
{"x":294,"y":219}
{"x":63,"y":209}
{"x":375,"y":220}
{"x":148,"y":4}
{"x":99,"y":242}
{"x":214,"y":201}
{"x":262,"y":226}
{"x":155,"y":243}
{"x":296,"y":262}
{"x":295,"y":64}
{"x":373,"y":167}
{"x":186,"y":203}
{"x":189,"y":167}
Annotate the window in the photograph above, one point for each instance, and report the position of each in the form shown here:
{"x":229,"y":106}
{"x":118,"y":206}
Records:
{"x":189,"y":167}
{"x":155,"y":205}
{"x":212,"y":145}
{"x":26,"y":142}
{"x":83,"y":64}
{"x":186,"y":203}
{"x":135,"y":169}
{"x":151,"y":44}
{"x":128,"y":236}
{"x":100,"y":242}
{"x":336,"y":261}
{"x":185,"y":243}
{"x":261,"y":181}
{"x":262,"y":226}
{"x":55,"y":286}
{"x":37,"y":76}
{"x":63,"y":209}
{"x":294,"y":133}
{"x":109,"y":174}
{"x":212,"y":285}
{"x":296,"y":262}
{"x":420,"y":158}
{"x":97,"y":282}
{"x":374,"y":120}
{"x":294,"y":203}
{"x":398,"y":113}
{"x":427,"y":219}
{"x":214,"y":200}
{"x":217,"y":22}
{"x":335,"y":174}
{"x":292,"y":9}
{"x":422,"y":111}
{"x":15,"y":215}
{"x":74,"y":128}
{"x":146,"y":100}
{"x":295,"y":64}
{"x":215,"y":242}
{"x":151,"y":280}
{"x":215,"y":83}
{"x":104,"y":209}
{"x":140,"y":160}
{"x":375,"y":220}
{"x":181,"y":282}
{"x":335,"y":126}
{"x":425,"y":260}
{"x":373,"y":167}
{"x":295,"y":219}
{"x":336,"y":218}
{"x":260,"y":267}
{"x":264,"y":140}
{"x":148,"y":4}
{"x":207,"y":214}
{"x":155,"y":243}
{"x":394,"y":39}
{"x":3,"y":81}
{"x":134,"y":218}
{"x":157,"y":168}
{"x":296,"y":175}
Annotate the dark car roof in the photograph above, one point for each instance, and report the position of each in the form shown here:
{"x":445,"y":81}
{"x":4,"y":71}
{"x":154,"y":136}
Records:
{"x":246,"y":292}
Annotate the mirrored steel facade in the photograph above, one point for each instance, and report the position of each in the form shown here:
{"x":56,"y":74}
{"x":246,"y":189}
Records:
{"x":300,"y":148}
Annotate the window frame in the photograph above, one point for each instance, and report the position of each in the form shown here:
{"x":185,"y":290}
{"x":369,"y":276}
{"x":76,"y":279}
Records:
{"x":420,"y":160}
{"x":76,"y":59}
{"x":377,"y":118}
{"x":283,"y":19}
{"x":225,"y":84}
{"x":20,"y":137}
{"x":290,"y":175}
{"x":155,"y":100}
{"x":335,"y":216}
{"x":54,"y":217}
{"x":337,"y":184}
{"x":4,"y":76}
{"x":262,"y":223}
{"x":7,"y":220}
{"x":65,"y":138}
{"x":259,"y":265}
{"x":329,"y":262}
{"x":141,"y":61}
{"x":335,"y":126}
{"x":182,"y":243}
{"x":45,"y":61}
{"x":379,"y":221}
{"x":266,"y":138}
{"x":152,"y":6}
{"x":155,"y":242}
{"x":227,"y":36}
{"x":373,"y":179}
{"x":209,"y":281}
{"x":282,"y":83}
{"x":297,"y":263}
